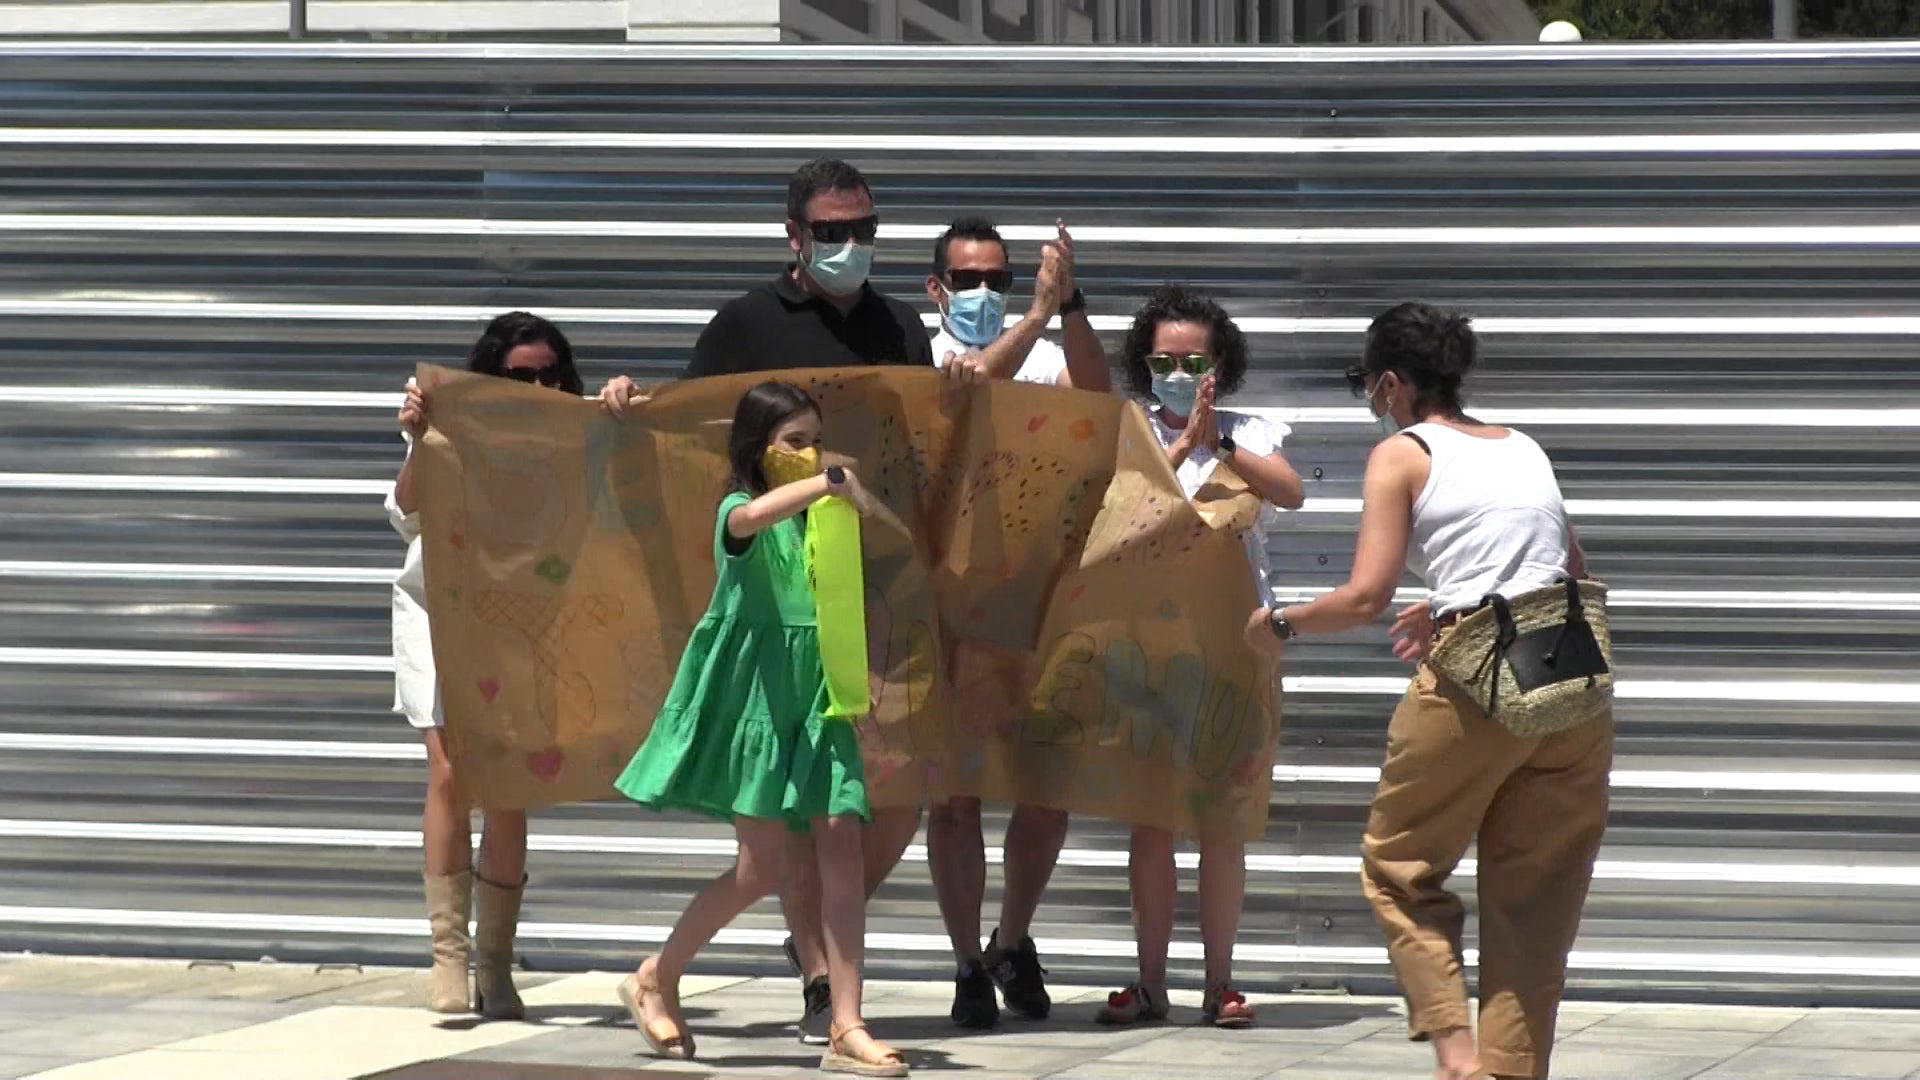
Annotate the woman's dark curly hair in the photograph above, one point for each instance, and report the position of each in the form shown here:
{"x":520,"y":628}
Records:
{"x":1177,"y":303}
{"x":514,"y":329}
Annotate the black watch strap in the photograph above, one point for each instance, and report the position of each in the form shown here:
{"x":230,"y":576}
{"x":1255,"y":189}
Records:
{"x":1228,"y":446}
{"x":1076,"y":302}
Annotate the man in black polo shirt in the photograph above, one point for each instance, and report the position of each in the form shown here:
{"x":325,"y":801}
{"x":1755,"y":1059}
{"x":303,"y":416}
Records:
{"x":821,"y":312}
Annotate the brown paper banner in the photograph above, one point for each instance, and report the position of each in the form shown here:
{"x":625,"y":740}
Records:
{"x":1050,"y":620}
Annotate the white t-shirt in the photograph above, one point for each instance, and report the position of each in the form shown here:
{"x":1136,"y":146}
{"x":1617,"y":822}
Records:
{"x":1045,"y":361}
{"x":1257,"y":436}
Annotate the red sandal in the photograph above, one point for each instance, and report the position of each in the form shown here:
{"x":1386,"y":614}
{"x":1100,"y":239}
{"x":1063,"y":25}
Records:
{"x":1225,"y":1007}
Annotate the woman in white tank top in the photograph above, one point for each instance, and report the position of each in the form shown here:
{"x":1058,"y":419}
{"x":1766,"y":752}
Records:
{"x":1474,"y":509}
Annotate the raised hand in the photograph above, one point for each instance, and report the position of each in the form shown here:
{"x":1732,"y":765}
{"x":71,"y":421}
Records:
{"x":413,"y":412}
{"x":620,"y":395}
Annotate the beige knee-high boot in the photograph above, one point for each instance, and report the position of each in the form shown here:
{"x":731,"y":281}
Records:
{"x":497,"y":918}
{"x":449,"y":905}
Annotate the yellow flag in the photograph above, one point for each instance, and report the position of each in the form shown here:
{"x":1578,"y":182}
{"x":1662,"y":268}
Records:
{"x":840,"y":598}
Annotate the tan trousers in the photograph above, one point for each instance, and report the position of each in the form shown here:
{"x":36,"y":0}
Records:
{"x":1538,"y":807}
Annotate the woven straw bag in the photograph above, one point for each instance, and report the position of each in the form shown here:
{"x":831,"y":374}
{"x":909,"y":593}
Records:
{"x":1539,"y":663}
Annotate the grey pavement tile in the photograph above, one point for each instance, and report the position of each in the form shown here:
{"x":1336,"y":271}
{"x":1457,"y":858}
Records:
{"x":240,"y":1013}
{"x":1574,"y":1021}
{"x":1100,"y":1070}
{"x":1612,"y":1065}
{"x":1414,"y":1068}
{"x":1325,"y":1020}
{"x":14,"y":1065}
{"x":991,"y":1055}
{"x":97,"y":1037}
{"x":622,"y":1048}
{"x":1380,"y":1055}
{"x":1220,"y":1051}
{"x":1853,"y":1031}
{"x":41,"y":1006}
{"x":1706,"y":1018}
{"x":1074,"y":1027}
{"x":1612,"y":1037}
{"x":1788,"y":1063}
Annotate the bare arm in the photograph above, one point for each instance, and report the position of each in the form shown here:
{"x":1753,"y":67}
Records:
{"x":1380,"y":556}
{"x":413,"y":421}
{"x":1002,"y":359}
{"x":404,"y":494}
{"x":1271,"y":478}
{"x":788,"y":500}
{"x":1087,"y":367}
{"x":1576,"y":556}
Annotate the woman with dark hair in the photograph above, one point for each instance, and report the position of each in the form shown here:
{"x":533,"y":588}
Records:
{"x":1184,"y":353}
{"x":745,"y":736}
{"x":1476,"y":511}
{"x":529,"y":349}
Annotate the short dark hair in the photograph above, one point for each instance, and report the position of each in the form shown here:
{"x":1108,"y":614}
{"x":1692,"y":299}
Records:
{"x":514,"y":329}
{"x":817,"y":176}
{"x":1178,"y":303}
{"x":964,"y":228}
{"x":1430,"y":348}
{"x":760,"y":413}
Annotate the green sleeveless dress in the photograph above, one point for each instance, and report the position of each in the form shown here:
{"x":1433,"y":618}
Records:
{"x":744,"y":731}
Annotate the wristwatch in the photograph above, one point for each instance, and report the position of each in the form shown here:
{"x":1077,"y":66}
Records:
{"x":1228,"y":446}
{"x":1282,"y":629}
{"x":1076,"y":302}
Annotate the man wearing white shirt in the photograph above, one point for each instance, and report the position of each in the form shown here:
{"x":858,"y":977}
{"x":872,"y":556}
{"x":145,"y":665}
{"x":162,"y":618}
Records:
{"x":970,"y":283}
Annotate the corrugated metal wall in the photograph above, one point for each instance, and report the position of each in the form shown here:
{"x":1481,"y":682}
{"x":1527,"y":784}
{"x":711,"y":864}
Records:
{"x":1695,"y":270}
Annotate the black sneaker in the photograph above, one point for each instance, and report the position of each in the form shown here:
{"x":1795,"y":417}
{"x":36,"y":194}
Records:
{"x":816,"y":1023}
{"x":793,"y":957}
{"x":1020,"y":977}
{"x":974,"y":1006}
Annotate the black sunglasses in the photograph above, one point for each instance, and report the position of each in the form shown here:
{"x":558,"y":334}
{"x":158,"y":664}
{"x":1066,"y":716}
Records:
{"x":859,"y":230}
{"x":548,"y":376}
{"x":998,"y":280}
{"x":1357,"y":380}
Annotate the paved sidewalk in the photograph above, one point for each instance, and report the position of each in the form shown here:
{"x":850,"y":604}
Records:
{"x":64,"y":1019}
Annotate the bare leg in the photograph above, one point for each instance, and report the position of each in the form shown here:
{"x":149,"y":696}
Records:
{"x":1223,"y":890}
{"x":957,"y":858}
{"x":756,"y":873}
{"x":885,"y":839}
{"x":844,"y":903}
{"x":800,"y":903}
{"x":1155,"y":884}
{"x":503,"y":846}
{"x":1035,"y":835}
{"x":445,"y":829}
{"x":1455,"y":1054}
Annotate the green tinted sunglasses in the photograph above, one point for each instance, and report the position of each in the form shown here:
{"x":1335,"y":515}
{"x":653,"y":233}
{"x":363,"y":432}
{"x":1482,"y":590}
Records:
{"x":1193,"y":363}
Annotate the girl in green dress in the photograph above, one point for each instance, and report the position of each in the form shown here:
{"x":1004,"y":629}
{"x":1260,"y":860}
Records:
{"x":744,"y":735}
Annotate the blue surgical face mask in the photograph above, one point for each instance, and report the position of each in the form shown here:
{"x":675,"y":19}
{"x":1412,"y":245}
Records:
{"x":842,"y":272}
{"x":977,"y":316}
{"x":1177,"y":392}
{"x":1384,"y":418}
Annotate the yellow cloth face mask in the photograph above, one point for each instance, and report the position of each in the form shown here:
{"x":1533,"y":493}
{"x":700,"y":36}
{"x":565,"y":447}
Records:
{"x":784,"y":466}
